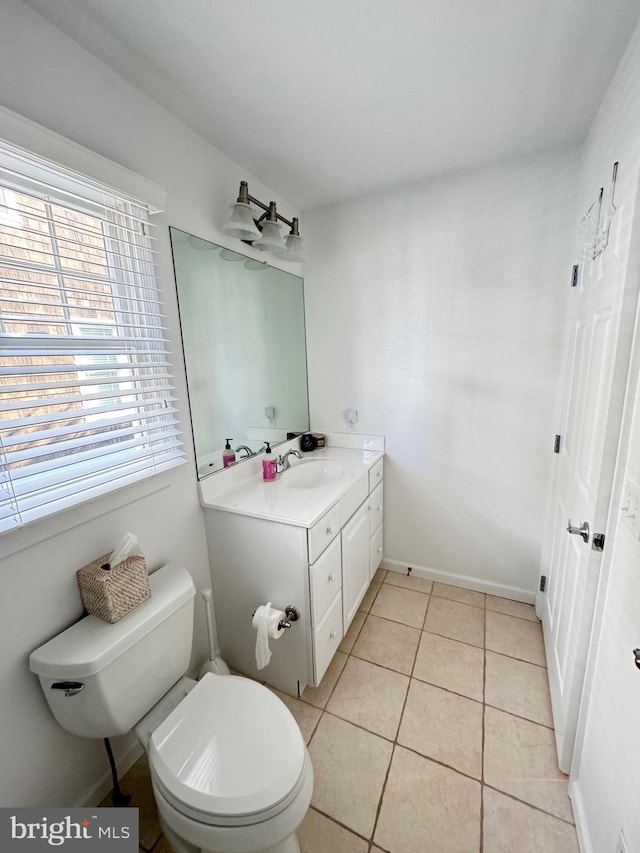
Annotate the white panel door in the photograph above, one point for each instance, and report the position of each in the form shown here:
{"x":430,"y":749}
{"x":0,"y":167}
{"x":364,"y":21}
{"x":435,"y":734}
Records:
{"x":602,"y":328}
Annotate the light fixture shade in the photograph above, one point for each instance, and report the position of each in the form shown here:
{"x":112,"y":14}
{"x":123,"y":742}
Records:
{"x":295,"y":250}
{"x":241,"y":224}
{"x":270,"y":239}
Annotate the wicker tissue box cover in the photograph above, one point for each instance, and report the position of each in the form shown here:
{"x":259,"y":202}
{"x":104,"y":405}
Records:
{"x":110,"y":594}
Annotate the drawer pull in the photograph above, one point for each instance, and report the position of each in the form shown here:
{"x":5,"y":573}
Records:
{"x":379,"y":551}
{"x":332,"y":577}
{"x":329,"y":531}
{"x":333,"y":635}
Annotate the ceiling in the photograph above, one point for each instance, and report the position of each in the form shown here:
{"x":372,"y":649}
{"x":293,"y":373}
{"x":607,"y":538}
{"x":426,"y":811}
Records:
{"x":326,"y":100}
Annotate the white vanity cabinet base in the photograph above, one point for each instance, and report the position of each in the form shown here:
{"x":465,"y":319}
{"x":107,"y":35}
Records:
{"x":355,"y":563}
{"x":254,"y":561}
{"x":322,"y":569}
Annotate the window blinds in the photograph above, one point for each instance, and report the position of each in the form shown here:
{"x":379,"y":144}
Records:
{"x":86,"y":401}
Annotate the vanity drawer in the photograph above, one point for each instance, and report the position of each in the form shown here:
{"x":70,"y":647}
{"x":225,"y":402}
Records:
{"x":375,"y":551}
{"x":375,"y":474}
{"x":375,"y":508}
{"x":323,"y":532}
{"x":352,"y":500}
{"x":325,"y":580}
{"x":327,"y":637}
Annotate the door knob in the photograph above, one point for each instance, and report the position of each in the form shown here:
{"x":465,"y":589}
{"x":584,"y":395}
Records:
{"x":636,"y":655}
{"x":580,"y":531}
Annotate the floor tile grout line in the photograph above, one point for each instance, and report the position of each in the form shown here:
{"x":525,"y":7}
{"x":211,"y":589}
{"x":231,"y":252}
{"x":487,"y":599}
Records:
{"x":457,"y":640}
{"x":405,"y":586}
{"x":448,"y":689}
{"x":530,"y":805}
{"x":395,"y":744}
{"x":341,"y":825}
{"x":388,"y":619}
{"x":522,"y":660}
{"x":426,"y":613}
{"x":519,"y":716}
{"x":375,"y":734}
{"x":355,"y":640}
{"x":535,"y":621}
{"x":458,"y":601}
{"x":323,"y":707}
{"x":399,"y":621}
{"x":382,"y":792}
{"x":382,"y":665}
{"x":315,"y":728}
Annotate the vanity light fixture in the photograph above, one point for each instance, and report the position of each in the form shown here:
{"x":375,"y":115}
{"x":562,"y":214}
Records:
{"x":264,"y":233}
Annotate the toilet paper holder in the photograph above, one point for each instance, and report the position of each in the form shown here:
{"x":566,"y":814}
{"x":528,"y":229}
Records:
{"x":292,"y":614}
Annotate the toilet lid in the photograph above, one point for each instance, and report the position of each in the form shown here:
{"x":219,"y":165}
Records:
{"x":230,"y":748}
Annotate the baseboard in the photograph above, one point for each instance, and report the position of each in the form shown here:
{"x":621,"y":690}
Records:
{"x":124,"y":762}
{"x":502,"y":590}
{"x":584,"y":839}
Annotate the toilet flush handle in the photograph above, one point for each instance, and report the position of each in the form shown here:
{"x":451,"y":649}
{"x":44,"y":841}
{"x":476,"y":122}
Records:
{"x":71,"y":688}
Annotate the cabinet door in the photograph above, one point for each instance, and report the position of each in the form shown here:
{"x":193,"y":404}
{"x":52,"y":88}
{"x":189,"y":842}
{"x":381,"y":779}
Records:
{"x":375,"y":551}
{"x":376,"y":500}
{"x":355,"y":563}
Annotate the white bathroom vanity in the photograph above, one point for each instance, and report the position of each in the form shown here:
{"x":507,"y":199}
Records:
{"x":312,"y":539}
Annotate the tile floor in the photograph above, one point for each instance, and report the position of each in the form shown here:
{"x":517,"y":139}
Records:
{"x":431,"y":732}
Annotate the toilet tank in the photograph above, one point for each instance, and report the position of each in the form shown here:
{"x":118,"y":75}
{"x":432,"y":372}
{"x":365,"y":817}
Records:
{"x":113,"y":674}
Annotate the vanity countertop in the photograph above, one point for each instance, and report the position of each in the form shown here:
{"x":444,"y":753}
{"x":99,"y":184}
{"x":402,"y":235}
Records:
{"x":281,"y":503}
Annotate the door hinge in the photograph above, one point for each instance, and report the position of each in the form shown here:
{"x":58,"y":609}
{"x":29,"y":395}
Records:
{"x":543,"y":582}
{"x":598,"y":541}
{"x":556,"y":444}
{"x":574,"y":275}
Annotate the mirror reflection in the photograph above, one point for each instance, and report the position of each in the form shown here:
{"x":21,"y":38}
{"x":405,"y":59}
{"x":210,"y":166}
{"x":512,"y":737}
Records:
{"x":243,"y":337}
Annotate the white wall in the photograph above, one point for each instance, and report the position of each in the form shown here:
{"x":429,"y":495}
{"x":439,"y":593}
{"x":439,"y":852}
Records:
{"x":438,"y":311}
{"x":49,"y":79}
{"x":606,"y":774}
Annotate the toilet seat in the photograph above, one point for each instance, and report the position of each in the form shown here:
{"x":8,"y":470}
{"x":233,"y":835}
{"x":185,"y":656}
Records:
{"x":229,"y":754}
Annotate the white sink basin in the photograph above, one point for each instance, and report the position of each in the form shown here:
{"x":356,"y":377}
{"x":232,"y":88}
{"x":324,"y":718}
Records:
{"x":313,"y":473}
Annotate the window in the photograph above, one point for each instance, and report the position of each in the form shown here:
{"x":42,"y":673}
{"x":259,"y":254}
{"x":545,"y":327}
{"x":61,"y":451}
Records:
{"x":85,"y":393}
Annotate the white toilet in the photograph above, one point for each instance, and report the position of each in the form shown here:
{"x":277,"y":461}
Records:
{"x":229,"y":767}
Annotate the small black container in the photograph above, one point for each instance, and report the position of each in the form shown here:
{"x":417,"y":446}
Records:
{"x":308,"y":442}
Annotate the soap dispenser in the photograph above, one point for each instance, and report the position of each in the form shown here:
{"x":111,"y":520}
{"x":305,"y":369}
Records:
{"x":269,"y":465}
{"x":228,"y":454}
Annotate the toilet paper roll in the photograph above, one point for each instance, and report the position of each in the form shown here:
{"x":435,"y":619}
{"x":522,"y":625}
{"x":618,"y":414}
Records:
{"x":266,"y":620}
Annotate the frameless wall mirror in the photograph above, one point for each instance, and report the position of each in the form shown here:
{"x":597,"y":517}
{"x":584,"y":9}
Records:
{"x":244,"y":344}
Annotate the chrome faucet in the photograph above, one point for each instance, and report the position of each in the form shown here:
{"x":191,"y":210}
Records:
{"x":249,"y":451}
{"x":283,"y":461}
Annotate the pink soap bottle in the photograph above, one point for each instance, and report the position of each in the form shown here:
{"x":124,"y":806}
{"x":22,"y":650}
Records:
{"x":228,"y":455}
{"x":269,"y":465}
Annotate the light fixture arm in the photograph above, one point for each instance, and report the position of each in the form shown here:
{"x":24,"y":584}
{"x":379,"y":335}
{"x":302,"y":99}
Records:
{"x":270,"y":211}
